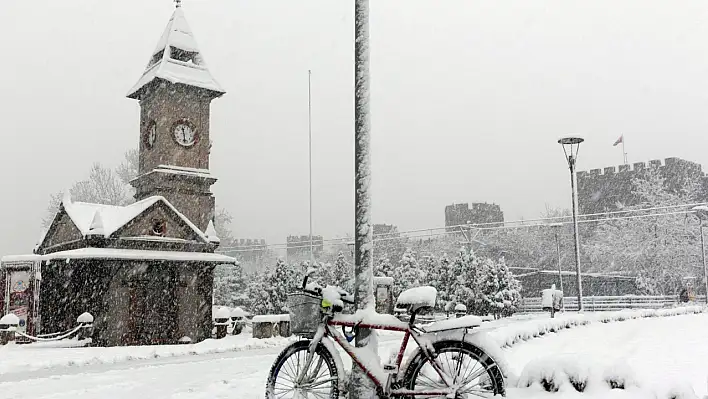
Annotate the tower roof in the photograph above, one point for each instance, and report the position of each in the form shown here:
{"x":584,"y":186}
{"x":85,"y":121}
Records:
{"x":177,"y":59}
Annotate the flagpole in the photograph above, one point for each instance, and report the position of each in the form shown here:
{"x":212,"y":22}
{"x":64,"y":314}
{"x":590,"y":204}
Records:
{"x":624,"y":153}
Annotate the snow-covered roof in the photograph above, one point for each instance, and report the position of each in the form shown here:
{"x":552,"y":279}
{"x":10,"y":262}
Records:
{"x":21,"y":258}
{"x":104,"y":220}
{"x":116,"y":253}
{"x":163,"y":65}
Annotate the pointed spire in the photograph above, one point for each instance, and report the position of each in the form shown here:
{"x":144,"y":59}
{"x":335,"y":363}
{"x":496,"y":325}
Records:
{"x":177,"y":59}
{"x":211,"y":233}
{"x":96,"y":228}
{"x":66,"y":199}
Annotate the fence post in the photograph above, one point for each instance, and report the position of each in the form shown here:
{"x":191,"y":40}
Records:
{"x":85,"y":320}
{"x":8,"y":326}
{"x":221,"y":321}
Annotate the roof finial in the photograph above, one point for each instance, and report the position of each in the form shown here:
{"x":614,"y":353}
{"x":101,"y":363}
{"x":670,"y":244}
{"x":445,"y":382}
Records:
{"x":178,"y":3}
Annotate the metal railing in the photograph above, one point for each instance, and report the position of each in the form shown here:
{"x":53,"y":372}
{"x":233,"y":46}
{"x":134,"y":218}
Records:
{"x":609,"y":303}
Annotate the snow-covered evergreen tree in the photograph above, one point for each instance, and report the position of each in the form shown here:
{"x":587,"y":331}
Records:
{"x":384,"y":267}
{"x":408,"y":274}
{"x":464,"y":268}
{"x":498,"y":292}
{"x":230,"y":286}
{"x":267,"y":292}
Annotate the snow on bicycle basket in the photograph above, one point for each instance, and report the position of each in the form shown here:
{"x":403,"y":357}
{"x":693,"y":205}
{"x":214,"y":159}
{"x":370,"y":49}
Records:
{"x":305,"y":314}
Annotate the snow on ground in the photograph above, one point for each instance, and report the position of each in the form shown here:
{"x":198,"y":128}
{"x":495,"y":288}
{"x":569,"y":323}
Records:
{"x":23,"y":358}
{"x":662,"y":352}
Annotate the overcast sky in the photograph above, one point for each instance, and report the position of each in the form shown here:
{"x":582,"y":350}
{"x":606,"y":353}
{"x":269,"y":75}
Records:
{"x":468,"y":100}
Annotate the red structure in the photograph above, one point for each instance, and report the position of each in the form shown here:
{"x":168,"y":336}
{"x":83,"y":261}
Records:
{"x":19,"y":291}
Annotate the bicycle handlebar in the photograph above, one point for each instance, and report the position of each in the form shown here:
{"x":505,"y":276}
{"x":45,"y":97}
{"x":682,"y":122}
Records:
{"x":343,"y":295}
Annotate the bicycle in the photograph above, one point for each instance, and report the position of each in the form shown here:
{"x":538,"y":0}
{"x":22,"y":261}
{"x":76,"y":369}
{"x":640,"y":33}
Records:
{"x":449,"y":362}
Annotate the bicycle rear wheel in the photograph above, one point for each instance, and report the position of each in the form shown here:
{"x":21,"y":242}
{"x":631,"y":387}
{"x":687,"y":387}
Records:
{"x":475,"y":373}
{"x":321,"y":377}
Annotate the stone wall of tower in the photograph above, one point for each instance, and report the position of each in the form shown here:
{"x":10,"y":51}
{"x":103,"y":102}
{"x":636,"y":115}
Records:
{"x":167,"y":104}
{"x":460,"y":214}
{"x":608,"y":189}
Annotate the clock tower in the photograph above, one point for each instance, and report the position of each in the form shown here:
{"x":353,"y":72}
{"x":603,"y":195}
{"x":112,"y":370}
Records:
{"x":175,"y":93}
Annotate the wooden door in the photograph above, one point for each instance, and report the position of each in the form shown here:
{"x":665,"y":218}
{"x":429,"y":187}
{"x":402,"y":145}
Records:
{"x":153,"y":307}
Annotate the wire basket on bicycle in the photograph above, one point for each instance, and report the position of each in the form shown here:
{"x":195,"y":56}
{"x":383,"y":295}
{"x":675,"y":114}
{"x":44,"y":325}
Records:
{"x":305,"y":314}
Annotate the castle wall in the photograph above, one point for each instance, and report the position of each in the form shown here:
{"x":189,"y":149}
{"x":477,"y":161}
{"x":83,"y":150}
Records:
{"x":460,"y":214}
{"x":611,"y":188}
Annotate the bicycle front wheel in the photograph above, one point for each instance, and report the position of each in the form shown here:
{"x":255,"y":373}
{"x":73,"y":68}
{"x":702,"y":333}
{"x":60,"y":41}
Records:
{"x":320,"y":378}
{"x":470,"y":369}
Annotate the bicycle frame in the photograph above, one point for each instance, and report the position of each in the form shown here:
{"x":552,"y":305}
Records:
{"x":384,"y":385}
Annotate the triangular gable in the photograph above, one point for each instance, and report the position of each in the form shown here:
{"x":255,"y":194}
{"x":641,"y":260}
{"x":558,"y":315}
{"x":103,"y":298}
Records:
{"x":63,"y":229}
{"x":177,"y":59}
{"x":76,"y":220}
{"x":112,"y":217}
{"x":177,"y":225}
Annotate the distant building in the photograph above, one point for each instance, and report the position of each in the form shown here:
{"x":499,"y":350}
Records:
{"x":299,"y":247}
{"x":610,"y":189}
{"x":383,"y":230}
{"x":247,"y":250}
{"x":459,"y":214}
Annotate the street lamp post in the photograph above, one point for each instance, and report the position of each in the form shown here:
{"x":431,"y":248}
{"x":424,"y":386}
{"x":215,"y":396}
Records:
{"x":556,"y":228}
{"x":571,"y":145}
{"x":702,"y":213}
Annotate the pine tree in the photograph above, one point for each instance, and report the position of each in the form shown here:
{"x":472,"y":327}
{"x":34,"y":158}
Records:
{"x":408,"y":274}
{"x":230,"y":286}
{"x":464,"y":269}
{"x":384,"y":267}
{"x":259,"y":294}
{"x":268,"y":291}
{"x":498,"y":292}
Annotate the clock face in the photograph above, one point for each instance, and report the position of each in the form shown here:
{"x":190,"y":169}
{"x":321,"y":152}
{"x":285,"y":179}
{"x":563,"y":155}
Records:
{"x":184,"y":134}
{"x":151,"y":134}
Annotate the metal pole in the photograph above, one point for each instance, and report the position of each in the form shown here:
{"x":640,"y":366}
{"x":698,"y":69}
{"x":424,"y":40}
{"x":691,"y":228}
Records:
{"x":309,"y":128}
{"x":363,"y":234}
{"x":560,"y":274}
{"x":573,"y":187}
{"x":705,"y":271}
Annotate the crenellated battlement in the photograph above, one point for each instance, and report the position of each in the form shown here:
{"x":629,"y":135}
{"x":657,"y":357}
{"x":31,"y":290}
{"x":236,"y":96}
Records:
{"x":635,"y":167}
{"x":611,"y":188}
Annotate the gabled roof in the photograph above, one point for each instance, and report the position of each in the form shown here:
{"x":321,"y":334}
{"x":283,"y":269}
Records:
{"x":177,"y":37}
{"x":105,"y":220}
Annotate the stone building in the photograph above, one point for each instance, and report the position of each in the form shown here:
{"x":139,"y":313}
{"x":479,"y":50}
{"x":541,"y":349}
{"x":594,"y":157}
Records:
{"x":145,"y":271}
{"x":610,"y":189}
{"x":459,"y":214}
